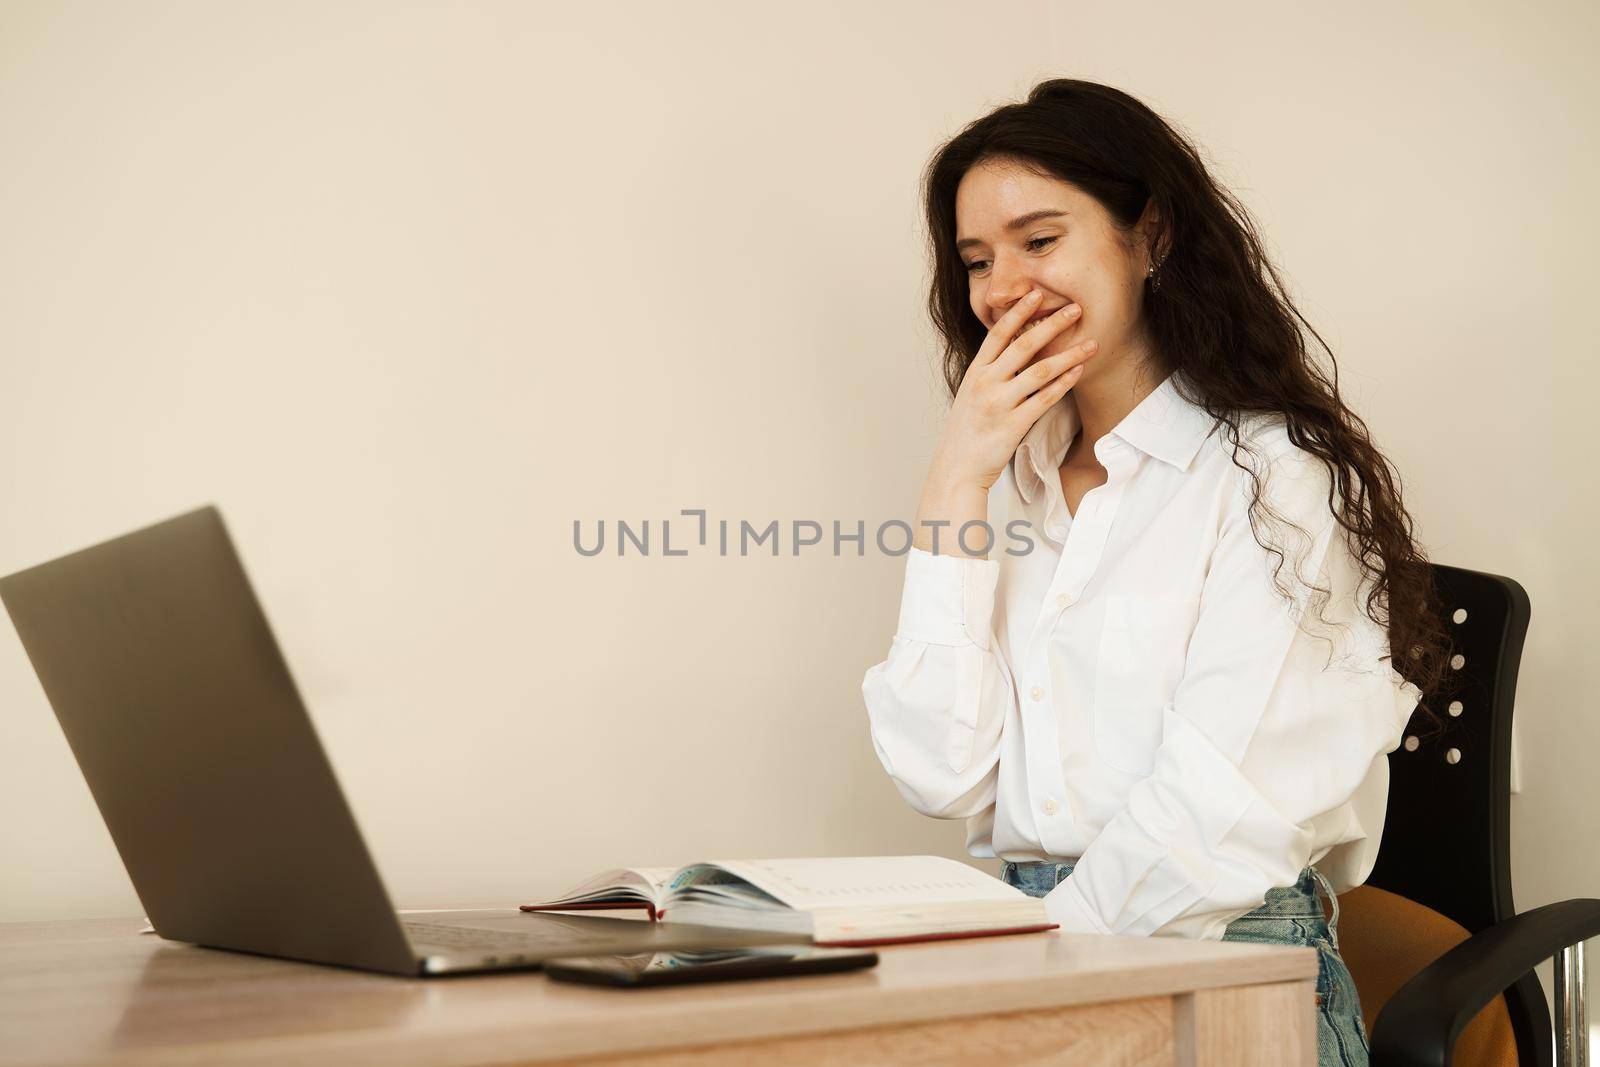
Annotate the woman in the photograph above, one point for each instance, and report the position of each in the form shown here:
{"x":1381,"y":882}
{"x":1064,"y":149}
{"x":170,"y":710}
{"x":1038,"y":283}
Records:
{"x":1144,"y":635}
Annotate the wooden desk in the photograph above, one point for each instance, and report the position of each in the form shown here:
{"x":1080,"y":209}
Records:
{"x":99,"y":992}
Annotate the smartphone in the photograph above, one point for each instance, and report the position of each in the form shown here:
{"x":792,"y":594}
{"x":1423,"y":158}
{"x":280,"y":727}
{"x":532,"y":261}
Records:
{"x":707,"y":965}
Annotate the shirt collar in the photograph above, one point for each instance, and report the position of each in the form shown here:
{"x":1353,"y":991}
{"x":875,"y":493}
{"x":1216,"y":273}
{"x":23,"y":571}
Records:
{"x":1163,"y":425}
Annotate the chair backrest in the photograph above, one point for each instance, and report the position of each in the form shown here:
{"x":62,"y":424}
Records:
{"x":1446,"y":838}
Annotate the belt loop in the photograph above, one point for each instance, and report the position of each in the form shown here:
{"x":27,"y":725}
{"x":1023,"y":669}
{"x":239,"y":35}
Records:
{"x":1333,"y":923}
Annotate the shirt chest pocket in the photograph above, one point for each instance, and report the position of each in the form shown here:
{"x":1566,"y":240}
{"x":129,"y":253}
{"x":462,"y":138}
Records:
{"x":1142,"y":649}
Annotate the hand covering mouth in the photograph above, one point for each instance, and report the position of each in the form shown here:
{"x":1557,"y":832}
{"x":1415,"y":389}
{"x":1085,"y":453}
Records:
{"x":1031,"y":323}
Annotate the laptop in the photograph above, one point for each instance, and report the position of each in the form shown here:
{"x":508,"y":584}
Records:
{"x":181,"y":712}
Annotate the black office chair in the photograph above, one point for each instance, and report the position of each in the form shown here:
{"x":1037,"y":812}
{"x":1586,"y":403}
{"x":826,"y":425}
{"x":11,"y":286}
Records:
{"x":1435,"y":945}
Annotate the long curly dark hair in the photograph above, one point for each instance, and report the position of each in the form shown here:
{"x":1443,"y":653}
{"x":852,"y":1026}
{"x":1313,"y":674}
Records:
{"x":1220,"y":322}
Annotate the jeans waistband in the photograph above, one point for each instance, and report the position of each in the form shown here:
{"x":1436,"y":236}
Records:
{"x":1298,"y":901}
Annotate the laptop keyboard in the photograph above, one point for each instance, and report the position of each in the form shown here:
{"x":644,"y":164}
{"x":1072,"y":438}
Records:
{"x":487,"y":940}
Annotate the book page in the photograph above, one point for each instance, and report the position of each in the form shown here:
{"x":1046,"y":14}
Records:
{"x":856,"y":881}
{"x":710,"y":883}
{"x":656,"y":878}
{"x":648,"y":883}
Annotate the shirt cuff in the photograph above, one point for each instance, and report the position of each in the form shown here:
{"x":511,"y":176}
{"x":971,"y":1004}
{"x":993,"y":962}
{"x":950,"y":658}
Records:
{"x":948,"y":600}
{"x":1065,"y":905}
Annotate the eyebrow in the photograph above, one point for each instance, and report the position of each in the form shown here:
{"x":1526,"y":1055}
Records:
{"x":1015,"y":224}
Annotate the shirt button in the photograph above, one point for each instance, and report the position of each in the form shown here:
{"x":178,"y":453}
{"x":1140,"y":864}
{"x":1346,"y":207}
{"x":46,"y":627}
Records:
{"x":1038,"y":693}
{"x":1049,"y":807}
{"x":1063,"y":600}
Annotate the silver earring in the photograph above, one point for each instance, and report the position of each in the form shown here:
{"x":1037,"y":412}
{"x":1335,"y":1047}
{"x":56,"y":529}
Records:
{"x":1155,"y":279}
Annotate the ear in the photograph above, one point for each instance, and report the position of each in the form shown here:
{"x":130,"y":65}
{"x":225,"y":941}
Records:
{"x":1152,"y":226}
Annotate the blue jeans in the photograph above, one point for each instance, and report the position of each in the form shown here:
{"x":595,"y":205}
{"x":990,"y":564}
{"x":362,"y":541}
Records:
{"x":1291,"y":915}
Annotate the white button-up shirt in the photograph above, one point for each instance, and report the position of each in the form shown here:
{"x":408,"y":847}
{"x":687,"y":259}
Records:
{"x":1133,"y":692}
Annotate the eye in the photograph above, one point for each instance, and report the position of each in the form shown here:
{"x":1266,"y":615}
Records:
{"x":1046,"y":242}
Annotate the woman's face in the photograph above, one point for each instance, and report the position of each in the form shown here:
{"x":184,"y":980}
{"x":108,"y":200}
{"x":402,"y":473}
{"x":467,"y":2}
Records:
{"x":1068,"y":249}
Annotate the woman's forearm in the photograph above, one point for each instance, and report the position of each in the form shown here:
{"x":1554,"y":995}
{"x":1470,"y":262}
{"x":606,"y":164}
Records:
{"x":944,"y":509}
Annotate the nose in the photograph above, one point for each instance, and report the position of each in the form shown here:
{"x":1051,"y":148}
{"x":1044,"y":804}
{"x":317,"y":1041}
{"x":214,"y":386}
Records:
{"x":1007,"y":285}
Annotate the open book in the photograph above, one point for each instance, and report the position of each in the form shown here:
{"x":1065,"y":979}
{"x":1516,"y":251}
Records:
{"x":834,"y":900}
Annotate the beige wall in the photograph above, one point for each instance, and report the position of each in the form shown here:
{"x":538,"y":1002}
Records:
{"x":406,"y":289}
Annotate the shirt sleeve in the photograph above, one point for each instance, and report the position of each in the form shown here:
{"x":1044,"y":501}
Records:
{"x":936,"y":704}
{"x":1267,"y":733}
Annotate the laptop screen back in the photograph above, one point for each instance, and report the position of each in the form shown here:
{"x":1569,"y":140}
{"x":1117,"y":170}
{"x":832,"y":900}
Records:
{"x":183,"y":717}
